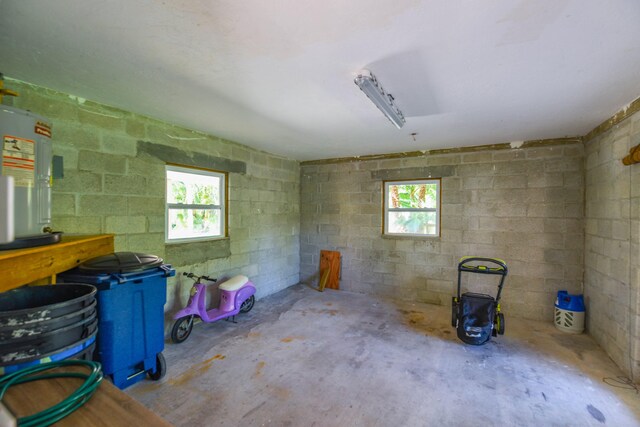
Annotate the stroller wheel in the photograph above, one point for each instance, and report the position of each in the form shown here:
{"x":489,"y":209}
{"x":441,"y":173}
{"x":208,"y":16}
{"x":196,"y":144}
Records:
{"x":500,"y":323}
{"x":454,"y":312}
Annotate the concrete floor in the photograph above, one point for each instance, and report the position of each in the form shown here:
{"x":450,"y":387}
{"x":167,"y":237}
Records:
{"x":304,"y":358}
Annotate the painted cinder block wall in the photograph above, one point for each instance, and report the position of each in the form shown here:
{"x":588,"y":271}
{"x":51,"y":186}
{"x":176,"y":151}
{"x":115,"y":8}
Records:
{"x":523,"y":205}
{"x":612,"y":244}
{"x":114,"y":183}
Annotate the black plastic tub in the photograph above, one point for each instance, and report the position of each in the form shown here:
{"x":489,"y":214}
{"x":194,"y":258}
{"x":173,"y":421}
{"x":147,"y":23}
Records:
{"x":29,"y":348}
{"x":14,"y":332}
{"x":86,"y":354}
{"x":33,"y":304}
{"x":83,"y":349}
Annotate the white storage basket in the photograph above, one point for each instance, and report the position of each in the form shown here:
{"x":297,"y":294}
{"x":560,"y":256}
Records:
{"x":569,"y":321}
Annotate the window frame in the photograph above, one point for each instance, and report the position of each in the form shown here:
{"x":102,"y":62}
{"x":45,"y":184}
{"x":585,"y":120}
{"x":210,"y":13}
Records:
{"x":385,"y":206}
{"x":223,"y":206}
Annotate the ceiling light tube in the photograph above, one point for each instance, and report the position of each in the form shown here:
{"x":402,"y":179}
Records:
{"x":368,"y":83}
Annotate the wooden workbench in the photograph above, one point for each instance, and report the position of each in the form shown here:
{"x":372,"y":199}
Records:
{"x":22,"y":266}
{"x":108,"y":407}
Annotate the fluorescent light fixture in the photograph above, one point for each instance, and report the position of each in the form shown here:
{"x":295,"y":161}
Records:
{"x":368,"y":83}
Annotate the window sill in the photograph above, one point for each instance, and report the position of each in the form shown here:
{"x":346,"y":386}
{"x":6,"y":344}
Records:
{"x":409,"y":237}
{"x":195,"y":240}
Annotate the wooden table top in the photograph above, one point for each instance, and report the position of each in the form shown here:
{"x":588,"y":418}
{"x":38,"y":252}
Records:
{"x":22,"y":266}
{"x":108,"y":407}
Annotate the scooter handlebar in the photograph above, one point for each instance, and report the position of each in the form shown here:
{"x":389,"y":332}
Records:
{"x":198,"y":278}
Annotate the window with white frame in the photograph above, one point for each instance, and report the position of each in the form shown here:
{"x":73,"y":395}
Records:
{"x":412,"y":207}
{"x":196,"y":204}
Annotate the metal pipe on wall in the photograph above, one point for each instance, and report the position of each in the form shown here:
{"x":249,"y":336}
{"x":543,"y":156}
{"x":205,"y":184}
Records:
{"x":6,"y":209}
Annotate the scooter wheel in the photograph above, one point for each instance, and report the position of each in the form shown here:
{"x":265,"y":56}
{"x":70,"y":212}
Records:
{"x":247,"y":305}
{"x":182,"y":329}
{"x":161,"y":368}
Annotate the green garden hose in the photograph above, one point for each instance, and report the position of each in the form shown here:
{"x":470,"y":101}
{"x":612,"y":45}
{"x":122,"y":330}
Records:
{"x":68,"y":405}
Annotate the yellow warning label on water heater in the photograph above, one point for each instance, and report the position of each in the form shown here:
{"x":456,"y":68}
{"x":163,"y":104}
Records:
{"x":19,"y":160}
{"x":43,"y":128}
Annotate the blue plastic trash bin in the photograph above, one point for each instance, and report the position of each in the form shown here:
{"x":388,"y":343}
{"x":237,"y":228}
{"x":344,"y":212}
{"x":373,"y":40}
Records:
{"x":132,"y":291}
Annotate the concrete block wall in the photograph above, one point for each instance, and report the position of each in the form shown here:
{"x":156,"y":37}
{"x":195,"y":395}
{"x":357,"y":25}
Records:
{"x":612,"y":244}
{"x":634,"y":261}
{"x":110,"y":186}
{"x":522,"y":205}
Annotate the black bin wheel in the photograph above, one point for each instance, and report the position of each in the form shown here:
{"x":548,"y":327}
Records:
{"x":500,"y":323}
{"x":161,"y":368}
{"x":454,"y":312}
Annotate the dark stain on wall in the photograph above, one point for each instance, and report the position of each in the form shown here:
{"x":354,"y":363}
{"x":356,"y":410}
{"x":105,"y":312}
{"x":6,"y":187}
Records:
{"x":414,"y":173}
{"x":177,"y":156}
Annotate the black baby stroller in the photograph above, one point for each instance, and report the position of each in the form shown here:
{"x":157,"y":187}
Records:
{"x":477,"y":316}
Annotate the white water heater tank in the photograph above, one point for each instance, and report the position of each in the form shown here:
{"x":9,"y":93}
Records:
{"x":26,"y":156}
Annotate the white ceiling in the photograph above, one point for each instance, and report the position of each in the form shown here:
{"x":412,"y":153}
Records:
{"x":277,"y":75}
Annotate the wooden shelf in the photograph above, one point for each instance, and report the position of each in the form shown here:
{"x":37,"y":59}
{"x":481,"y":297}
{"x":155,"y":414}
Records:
{"x":23,"y":266}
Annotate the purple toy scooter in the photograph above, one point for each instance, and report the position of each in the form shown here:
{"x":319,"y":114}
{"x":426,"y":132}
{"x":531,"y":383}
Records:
{"x":236,"y":296}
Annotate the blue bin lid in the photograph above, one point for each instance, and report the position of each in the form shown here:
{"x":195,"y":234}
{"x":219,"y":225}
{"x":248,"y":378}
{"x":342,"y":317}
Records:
{"x":120,"y":262}
{"x":104,"y":281}
{"x":566,"y":301}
